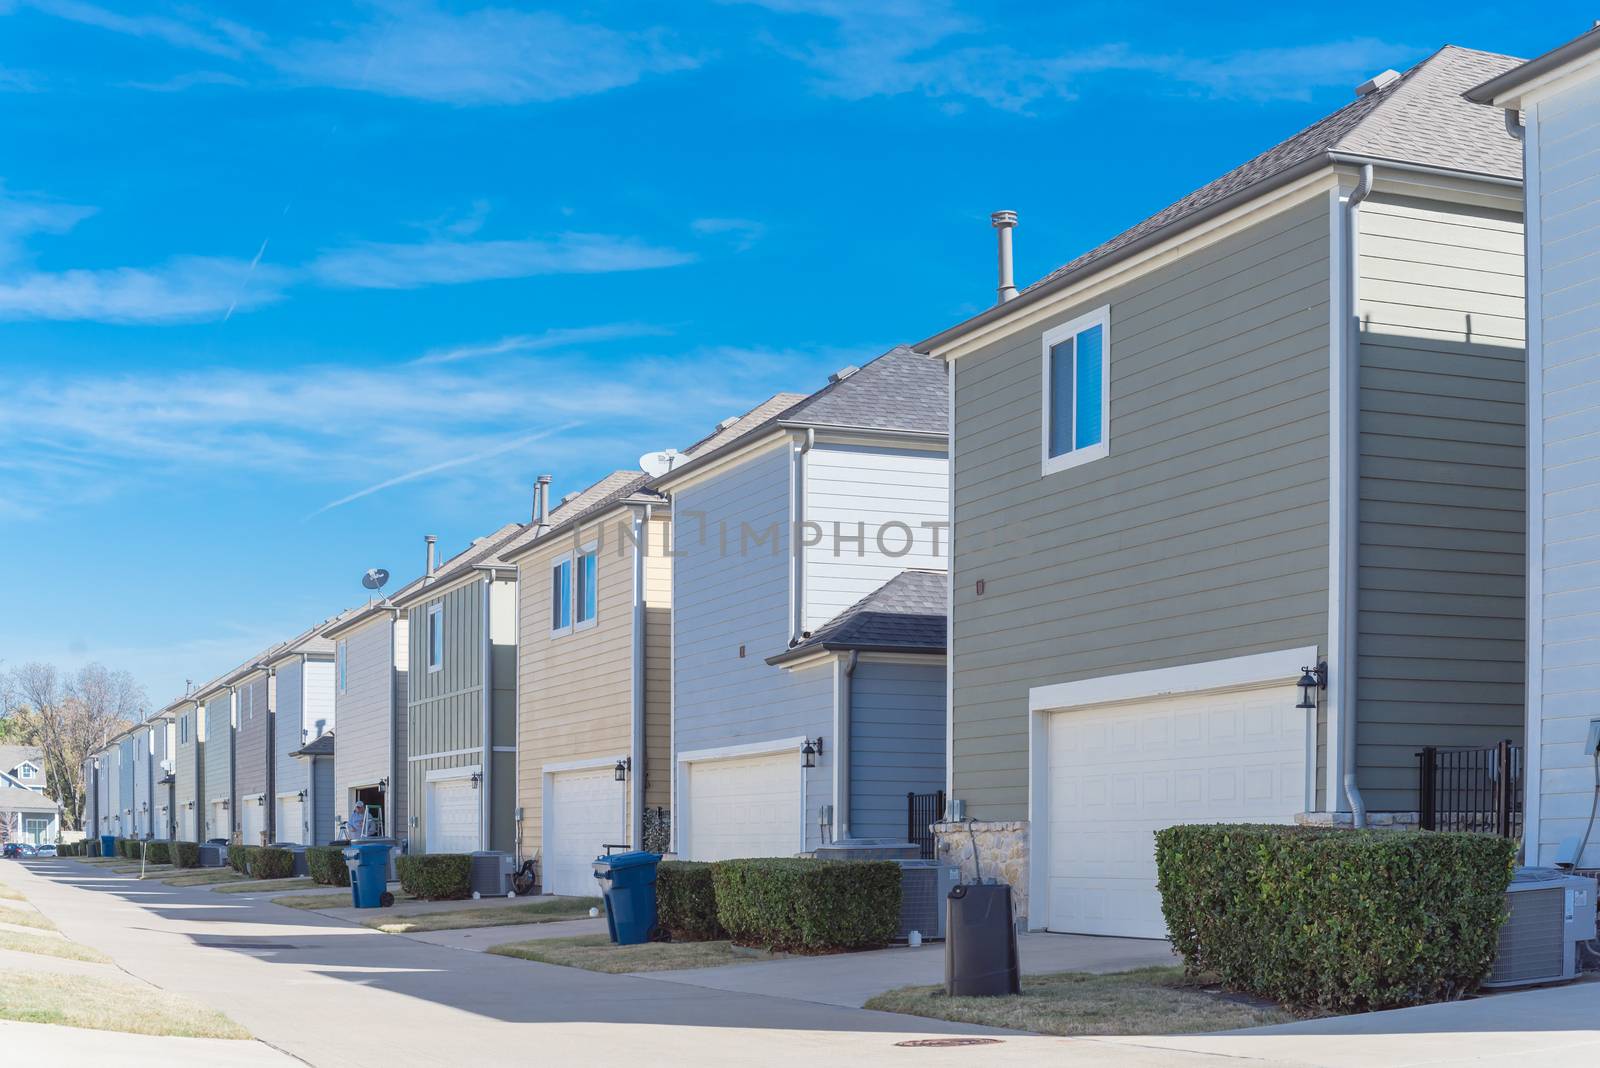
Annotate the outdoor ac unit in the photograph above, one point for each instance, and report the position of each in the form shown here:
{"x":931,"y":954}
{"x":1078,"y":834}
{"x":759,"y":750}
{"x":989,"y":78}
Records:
{"x":924,"y":885}
{"x":1551,"y":912}
{"x":491,"y":873}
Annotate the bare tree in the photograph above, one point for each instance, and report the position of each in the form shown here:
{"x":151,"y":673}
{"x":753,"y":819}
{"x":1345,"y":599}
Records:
{"x":68,"y":718}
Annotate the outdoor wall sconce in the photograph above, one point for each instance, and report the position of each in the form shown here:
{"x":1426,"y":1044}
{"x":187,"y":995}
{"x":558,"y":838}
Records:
{"x":620,"y":772}
{"x":383,"y":784}
{"x":302,"y":797}
{"x":810,"y":751}
{"x":1312,"y":679}
{"x":225,"y":804}
{"x":477,"y":777}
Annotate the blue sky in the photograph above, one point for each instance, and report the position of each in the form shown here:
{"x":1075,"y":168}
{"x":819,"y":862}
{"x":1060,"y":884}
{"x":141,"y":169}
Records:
{"x":283,"y":288}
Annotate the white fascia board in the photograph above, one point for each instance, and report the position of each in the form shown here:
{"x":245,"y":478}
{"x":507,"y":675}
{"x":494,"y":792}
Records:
{"x":1257,"y":669}
{"x":588,"y":764}
{"x":727,"y":752}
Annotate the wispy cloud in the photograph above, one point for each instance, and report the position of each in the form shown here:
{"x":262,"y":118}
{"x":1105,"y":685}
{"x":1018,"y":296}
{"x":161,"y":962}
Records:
{"x":21,"y":217}
{"x":562,"y":338}
{"x":180,"y":82}
{"x":184,"y":289}
{"x":418,"y":50}
{"x":444,"y":262}
{"x":743,"y":233}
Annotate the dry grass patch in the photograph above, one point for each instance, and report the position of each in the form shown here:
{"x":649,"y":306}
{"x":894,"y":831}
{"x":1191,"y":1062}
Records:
{"x":595,"y":953}
{"x":46,"y":945}
{"x":135,"y":869}
{"x":25,"y":918}
{"x":1145,"y":1001}
{"x":259,"y":886}
{"x":560,"y":908}
{"x":340,"y":900}
{"x":100,"y":861}
{"x":109,"y":1005}
{"x":10,"y":894}
{"x":203,"y":877}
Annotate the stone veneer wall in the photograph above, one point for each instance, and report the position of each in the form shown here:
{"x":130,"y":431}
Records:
{"x":1002,"y":852}
{"x":1378,"y":821}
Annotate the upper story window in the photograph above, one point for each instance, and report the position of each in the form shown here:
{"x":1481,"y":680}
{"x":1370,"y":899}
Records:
{"x":584,"y":582}
{"x":183,"y":727}
{"x":561,"y":596}
{"x":27,"y":771}
{"x":1077,"y":409}
{"x":341,"y":653}
{"x":435,"y":637}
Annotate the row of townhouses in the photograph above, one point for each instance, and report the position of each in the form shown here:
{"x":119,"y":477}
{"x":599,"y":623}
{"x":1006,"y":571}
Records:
{"x":1266,"y":509}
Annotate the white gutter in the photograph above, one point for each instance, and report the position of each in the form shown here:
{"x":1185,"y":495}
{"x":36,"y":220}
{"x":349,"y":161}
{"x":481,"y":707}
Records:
{"x":636,"y":744}
{"x":486,"y":785}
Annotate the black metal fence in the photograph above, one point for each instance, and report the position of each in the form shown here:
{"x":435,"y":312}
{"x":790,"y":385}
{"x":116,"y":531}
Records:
{"x":922,"y":811}
{"x":1476,"y":790}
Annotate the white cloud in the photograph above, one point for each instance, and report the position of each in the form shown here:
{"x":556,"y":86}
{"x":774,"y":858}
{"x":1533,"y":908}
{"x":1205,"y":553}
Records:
{"x":561,"y":338}
{"x":444,"y":262}
{"x":184,"y":289}
{"x":217,"y":37}
{"x":744,"y":233}
{"x":21,"y":217}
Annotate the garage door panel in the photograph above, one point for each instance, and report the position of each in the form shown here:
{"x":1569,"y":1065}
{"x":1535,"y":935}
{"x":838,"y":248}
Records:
{"x":744,"y":807}
{"x":453,"y":817}
{"x":588,"y":810}
{"x":1213,"y":758}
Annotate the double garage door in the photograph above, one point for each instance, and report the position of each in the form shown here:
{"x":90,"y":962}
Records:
{"x":744,"y":806}
{"x":588,"y":811}
{"x":1118,"y":774}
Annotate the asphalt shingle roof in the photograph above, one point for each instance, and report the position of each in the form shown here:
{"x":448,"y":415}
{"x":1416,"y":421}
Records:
{"x":905,"y":614}
{"x":322,"y":745}
{"x":12,"y":755}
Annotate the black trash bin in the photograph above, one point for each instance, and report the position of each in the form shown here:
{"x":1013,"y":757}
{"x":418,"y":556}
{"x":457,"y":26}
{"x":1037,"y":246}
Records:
{"x":980,"y":945}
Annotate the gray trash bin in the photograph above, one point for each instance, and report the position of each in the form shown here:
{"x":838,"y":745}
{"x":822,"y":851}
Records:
{"x":980,"y":948}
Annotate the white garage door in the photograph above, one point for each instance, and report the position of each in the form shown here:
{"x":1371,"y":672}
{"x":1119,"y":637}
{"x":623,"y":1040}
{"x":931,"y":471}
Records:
{"x":291,"y":819}
{"x":186,"y":825}
{"x":452,"y":816}
{"x":1117,"y":775}
{"x":744,"y":807}
{"x":588,"y":809}
{"x":252,"y":821}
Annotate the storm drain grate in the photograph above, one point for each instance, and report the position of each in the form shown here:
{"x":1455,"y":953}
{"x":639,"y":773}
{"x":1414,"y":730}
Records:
{"x":943,"y":1042}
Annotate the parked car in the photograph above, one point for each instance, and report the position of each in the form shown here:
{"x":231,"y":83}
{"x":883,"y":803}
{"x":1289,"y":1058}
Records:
{"x":45,"y":851}
{"x":12,"y":850}
{"x":29,"y":851}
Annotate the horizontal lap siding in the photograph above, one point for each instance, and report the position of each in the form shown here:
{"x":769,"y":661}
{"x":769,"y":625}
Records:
{"x":362,"y":716}
{"x":1441,"y":515}
{"x":1568,"y":158}
{"x":724,"y":600}
{"x":252,"y":749}
{"x":445,"y":709}
{"x":289,"y":774}
{"x":658,"y":667}
{"x":897,"y":742}
{"x":187,"y":761}
{"x":219,"y":766}
{"x":1203,"y":535}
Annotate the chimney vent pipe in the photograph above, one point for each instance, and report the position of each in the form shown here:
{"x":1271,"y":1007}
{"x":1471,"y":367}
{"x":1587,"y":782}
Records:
{"x":541,"y":500}
{"x":1005,"y":222}
{"x":432,"y":540}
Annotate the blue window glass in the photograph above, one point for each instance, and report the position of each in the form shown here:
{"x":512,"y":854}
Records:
{"x":1061,"y":388}
{"x":586,"y":584}
{"x":561,"y":595}
{"x":1087,"y":430}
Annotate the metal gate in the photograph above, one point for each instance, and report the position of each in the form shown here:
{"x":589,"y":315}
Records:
{"x":1475,"y":790}
{"x":922,"y":812}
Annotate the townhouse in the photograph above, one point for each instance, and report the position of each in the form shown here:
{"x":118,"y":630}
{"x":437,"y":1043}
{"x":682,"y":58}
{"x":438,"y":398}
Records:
{"x":163,"y":765}
{"x":776,"y":535}
{"x":1553,"y":104}
{"x":1271,"y":435}
{"x":28,"y":812}
{"x":188,"y":768}
{"x":214,"y":802}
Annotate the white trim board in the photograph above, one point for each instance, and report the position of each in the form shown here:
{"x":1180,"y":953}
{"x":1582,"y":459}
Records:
{"x":466,"y":771}
{"x":1257,"y":669}
{"x":726,"y":752}
{"x":581,"y":765}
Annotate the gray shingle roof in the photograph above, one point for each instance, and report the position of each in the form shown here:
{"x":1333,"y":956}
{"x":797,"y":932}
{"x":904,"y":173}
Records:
{"x":1539,"y":66}
{"x":905,"y":614}
{"x":12,"y":755}
{"x":1421,"y":119}
{"x":15,"y":800}
{"x":322,"y":745}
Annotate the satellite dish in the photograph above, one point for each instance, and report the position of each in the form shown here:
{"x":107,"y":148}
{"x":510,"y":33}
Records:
{"x":656,"y":464}
{"x":375,"y":578}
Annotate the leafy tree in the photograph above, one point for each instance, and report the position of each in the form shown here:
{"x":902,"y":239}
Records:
{"x":68,"y":717}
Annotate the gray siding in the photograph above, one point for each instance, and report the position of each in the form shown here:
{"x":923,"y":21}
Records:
{"x":1204,"y":533}
{"x":445,"y":707}
{"x":503,"y":736}
{"x":289,"y":774}
{"x":218,"y":780}
{"x":723,"y":600}
{"x":188,"y":770}
{"x":897,"y":738}
{"x":364,"y":726}
{"x":253,"y":744}
{"x":1442,"y":506}
{"x":127,"y":806}
{"x":324,"y":803}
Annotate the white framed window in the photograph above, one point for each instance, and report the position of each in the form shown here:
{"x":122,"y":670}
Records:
{"x":183,"y":728}
{"x":435,"y":637}
{"x":341,"y":653}
{"x":584,"y":597}
{"x":1077,"y":403}
{"x":27,"y":771}
{"x":561,"y":596}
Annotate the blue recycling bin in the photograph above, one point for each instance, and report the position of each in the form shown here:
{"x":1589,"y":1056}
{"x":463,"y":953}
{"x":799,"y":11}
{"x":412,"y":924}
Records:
{"x":108,"y":845}
{"x":369,"y":874}
{"x":628,"y":884}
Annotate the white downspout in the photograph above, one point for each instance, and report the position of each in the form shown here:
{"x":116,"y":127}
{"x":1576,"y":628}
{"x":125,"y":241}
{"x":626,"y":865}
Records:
{"x":486,"y":784}
{"x":797,"y":563}
{"x":636,"y":744}
{"x":841,"y":748}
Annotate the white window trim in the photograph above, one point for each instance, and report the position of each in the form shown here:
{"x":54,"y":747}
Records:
{"x":427,"y":637}
{"x":572,"y":608}
{"x":585,"y":550}
{"x":1049,"y":465}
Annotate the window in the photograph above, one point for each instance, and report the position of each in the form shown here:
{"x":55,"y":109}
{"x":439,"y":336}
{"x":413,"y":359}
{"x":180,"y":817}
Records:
{"x":435,"y":637}
{"x":584,"y":596}
{"x":27,"y":771}
{"x":183,"y":728}
{"x":561,"y":596}
{"x":1077,"y":410}
{"x":341,"y":651}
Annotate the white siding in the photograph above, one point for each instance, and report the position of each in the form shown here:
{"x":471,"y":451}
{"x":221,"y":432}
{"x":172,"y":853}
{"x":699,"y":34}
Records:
{"x":363,"y":711}
{"x":289,"y":774}
{"x":141,"y":782}
{"x":858,"y":490}
{"x":1564,"y":286}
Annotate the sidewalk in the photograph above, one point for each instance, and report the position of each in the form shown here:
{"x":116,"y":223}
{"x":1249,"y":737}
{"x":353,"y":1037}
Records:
{"x":30,"y":1043}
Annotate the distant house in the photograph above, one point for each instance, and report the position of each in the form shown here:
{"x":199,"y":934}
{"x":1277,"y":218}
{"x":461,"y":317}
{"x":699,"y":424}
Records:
{"x":27,"y":812}
{"x":776,"y":535}
{"x":22,"y":767}
{"x":1558,"y":98}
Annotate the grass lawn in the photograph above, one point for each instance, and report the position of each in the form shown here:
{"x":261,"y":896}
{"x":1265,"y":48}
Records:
{"x":10,"y":894}
{"x":559,"y":908}
{"x":595,"y":953}
{"x":1145,"y":1001}
{"x":25,"y":918}
{"x":262,"y":885}
{"x":101,"y":860}
{"x":134,"y":869}
{"x":339,"y":899}
{"x":109,"y":1005}
{"x":50,"y":946}
{"x":202,"y":877}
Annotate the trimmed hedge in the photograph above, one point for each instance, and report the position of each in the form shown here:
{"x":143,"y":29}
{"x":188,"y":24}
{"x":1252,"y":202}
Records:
{"x":808,"y":905}
{"x":239,"y":857}
{"x":1346,"y":921}
{"x":185,"y":854}
{"x":325,"y":865}
{"x":686,"y":901}
{"x":158,"y":853}
{"x":269,"y":863}
{"x":436,"y":876}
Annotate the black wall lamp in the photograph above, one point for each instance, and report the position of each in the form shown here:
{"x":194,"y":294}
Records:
{"x":383,"y":784}
{"x":477,"y":778}
{"x":1312,"y":679}
{"x":810,"y":751}
{"x":620,"y":772}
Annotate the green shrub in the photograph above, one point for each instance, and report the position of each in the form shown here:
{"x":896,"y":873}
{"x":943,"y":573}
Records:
{"x":325,"y":865}
{"x":808,"y":905}
{"x":270,"y":863}
{"x":1346,"y":921}
{"x":185,"y":854}
{"x":686,"y":901}
{"x":158,"y":853}
{"x":122,"y":848}
{"x":436,"y":876}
